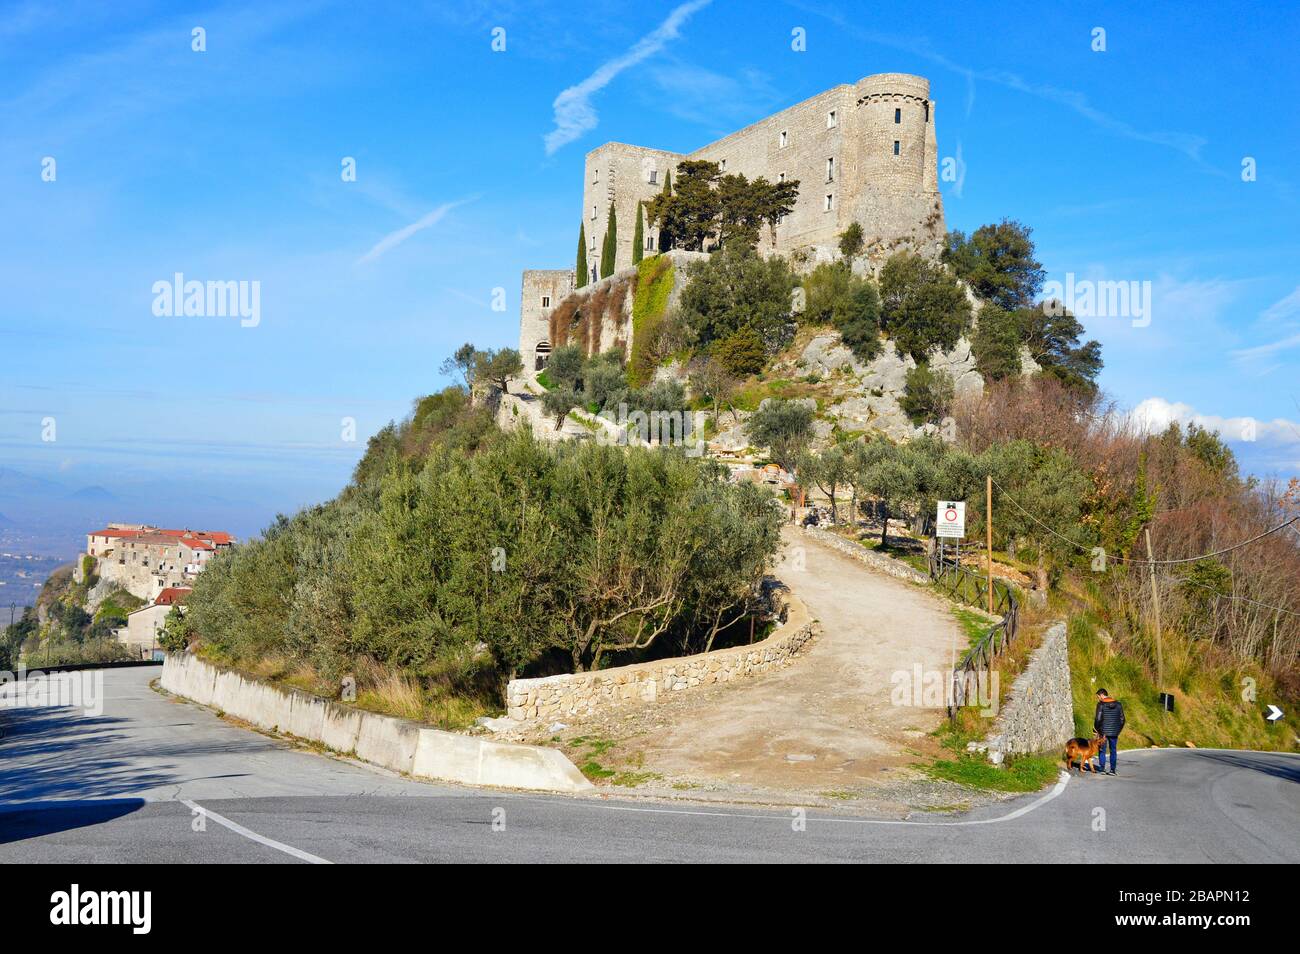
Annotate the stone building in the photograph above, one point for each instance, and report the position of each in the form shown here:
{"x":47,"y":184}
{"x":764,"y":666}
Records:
{"x":145,"y":560}
{"x":862,"y":152}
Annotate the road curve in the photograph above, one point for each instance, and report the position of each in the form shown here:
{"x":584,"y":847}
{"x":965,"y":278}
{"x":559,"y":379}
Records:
{"x":156,"y":780}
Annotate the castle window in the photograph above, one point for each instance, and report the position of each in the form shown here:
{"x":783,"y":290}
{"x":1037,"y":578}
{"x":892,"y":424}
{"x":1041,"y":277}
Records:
{"x":595,"y":175}
{"x":927,"y":112}
{"x":830,"y":169}
{"x":649,"y":243}
{"x":896,"y":147}
{"x":593,"y":208}
{"x":785,"y":138}
{"x":898,"y":115}
{"x":546,"y":301}
{"x":831,"y":120}
{"x":654,"y":176}
{"x":780,"y":177}
{"x":830,"y":202}
{"x":722,"y":166}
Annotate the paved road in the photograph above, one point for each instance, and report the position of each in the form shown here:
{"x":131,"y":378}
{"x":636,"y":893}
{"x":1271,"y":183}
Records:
{"x":127,"y":786}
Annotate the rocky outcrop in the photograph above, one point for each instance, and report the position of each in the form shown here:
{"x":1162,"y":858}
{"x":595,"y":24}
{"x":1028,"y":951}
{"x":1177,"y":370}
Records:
{"x":872,"y":390}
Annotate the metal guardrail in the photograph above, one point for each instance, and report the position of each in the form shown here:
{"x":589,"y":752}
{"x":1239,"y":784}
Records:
{"x":973,"y":588}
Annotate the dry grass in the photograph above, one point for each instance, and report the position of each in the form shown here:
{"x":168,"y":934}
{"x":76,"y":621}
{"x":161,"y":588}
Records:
{"x":380,"y":688}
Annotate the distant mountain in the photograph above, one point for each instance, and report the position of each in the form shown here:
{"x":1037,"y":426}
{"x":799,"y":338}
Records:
{"x":6,"y":522}
{"x":14,"y":483}
{"x":94,"y":494}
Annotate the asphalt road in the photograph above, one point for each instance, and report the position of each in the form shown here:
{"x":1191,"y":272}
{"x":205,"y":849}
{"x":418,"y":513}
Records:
{"x":155,"y":780}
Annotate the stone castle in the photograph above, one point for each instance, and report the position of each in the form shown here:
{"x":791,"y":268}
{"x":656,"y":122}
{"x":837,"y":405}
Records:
{"x":862,"y":152}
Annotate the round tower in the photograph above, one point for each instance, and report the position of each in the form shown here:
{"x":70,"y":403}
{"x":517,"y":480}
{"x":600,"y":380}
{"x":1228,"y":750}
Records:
{"x":893,"y":124}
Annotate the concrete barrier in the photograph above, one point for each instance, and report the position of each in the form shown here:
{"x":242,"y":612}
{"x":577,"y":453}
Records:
{"x":396,"y":744}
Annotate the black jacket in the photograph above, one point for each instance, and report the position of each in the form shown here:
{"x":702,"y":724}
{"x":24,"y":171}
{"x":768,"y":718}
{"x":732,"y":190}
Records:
{"x":1109,"y":719}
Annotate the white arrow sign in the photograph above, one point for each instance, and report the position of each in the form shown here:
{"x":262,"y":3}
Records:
{"x":1274,"y":713}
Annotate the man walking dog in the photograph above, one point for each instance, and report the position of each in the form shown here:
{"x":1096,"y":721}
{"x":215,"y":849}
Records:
{"x":1109,"y":723}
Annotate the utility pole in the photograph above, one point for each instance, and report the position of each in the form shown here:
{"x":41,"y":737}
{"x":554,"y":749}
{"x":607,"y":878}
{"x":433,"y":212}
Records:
{"x":1155,"y":601}
{"x":988,"y":512}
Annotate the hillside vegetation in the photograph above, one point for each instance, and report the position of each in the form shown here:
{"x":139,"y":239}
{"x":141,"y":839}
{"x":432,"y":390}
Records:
{"x":460,"y":557}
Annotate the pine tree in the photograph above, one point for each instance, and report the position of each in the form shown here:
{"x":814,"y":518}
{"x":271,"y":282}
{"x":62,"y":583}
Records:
{"x":638,"y":236}
{"x":609,"y":248}
{"x":582,"y":256}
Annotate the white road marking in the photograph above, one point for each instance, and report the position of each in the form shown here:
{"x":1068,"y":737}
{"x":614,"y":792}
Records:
{"x":254,"y":836}
{"x":1023,"y":810}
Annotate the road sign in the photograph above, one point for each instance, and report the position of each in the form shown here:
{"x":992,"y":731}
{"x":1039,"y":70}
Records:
{"x":950,"y":519}
{"x":1274,"y":713}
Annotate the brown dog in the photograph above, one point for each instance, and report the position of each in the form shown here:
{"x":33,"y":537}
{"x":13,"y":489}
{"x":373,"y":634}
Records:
{"x":1084,"y":751}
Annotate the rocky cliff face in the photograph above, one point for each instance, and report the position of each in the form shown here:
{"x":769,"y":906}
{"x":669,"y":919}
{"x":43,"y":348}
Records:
{"x":872,"y":391}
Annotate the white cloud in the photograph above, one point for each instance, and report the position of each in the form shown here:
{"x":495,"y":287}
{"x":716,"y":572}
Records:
{"x":711,"y":99}
{"x":1189,"y":144}
{"x":394,"y":239}
{"x":574,"y":114}
{"x":1288,"y":307}
{"x":1155,"y":414}
{"x":1280,"y":314}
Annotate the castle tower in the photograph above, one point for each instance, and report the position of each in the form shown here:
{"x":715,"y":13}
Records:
{"x":896,"y":163}
{"x":543,"y":289}
{"x":624,"y":176}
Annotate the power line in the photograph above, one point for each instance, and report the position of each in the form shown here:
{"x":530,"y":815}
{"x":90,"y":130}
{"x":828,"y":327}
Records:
{"x":1242,"y":599}
{"x":1141,"y":562}
{"x":1245,"y":599}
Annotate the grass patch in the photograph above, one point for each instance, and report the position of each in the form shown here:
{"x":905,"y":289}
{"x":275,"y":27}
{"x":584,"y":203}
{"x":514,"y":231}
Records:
{"x":1027,"y":773}
{"x":544,"y":380}
{"x":654,"y":283}
{"x":595,"y":771}
{"x":1208,"y":687}
{"x":973,"y":624}
{"x":839,"y":795}
{"x":633,"y":779}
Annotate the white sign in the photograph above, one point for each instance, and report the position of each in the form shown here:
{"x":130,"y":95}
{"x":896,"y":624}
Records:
{"x":950,"y":519}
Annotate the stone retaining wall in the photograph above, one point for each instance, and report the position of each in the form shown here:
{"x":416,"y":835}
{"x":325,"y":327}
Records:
{"x":878,"y":561}
{"x":1038,"y":714}
{"x":396,"y":744}
{"x":575,"y":695}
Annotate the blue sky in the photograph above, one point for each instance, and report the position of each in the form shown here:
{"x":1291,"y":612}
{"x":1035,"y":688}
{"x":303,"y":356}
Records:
{"x":225,"y":165}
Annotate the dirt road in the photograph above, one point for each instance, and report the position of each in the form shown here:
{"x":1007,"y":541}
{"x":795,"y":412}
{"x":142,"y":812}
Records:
{"x":825,"y":726}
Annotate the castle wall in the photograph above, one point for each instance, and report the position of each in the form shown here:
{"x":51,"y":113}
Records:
{"x":863,"y":152}
{"x":809,"y":141}
{"x":543,"y":289}
{"x":625,"y":176}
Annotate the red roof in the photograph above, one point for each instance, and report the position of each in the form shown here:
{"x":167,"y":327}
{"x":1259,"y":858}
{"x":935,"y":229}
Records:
{"x":173,"y":595}
{"x":198,"y":539}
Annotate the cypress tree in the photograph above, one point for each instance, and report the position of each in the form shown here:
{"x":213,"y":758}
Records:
{"x":610,"y":246}
{"x":582,"y":256}
{"x":638,"y":236}
{"x":665,"y":236}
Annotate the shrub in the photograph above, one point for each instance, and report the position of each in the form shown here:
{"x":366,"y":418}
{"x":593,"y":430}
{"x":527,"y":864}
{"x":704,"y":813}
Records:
{"x":927,"y":395}
{"x":922,"y":305}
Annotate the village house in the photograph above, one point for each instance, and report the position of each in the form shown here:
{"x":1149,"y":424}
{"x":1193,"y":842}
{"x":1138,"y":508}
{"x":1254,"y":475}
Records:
{"x":145,"y":560}
{"x":145,"y":624}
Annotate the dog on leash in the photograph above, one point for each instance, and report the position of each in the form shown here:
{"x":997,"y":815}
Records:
{"x":1083,"y":751}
